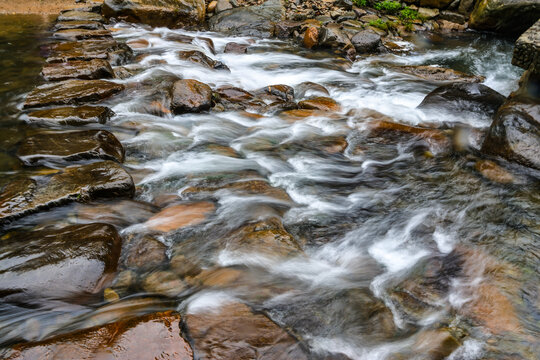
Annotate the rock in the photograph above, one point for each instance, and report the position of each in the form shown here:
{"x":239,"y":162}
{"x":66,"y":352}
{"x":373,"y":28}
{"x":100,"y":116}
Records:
{"x":527,"y":49}
{"x":75,"y":15}
{"x":118,"y":212}
{"x":145,"y":251}
{"x":233,"y":98}
{"x":183,"y":266}
{"x":276,"y":92}
{"x":220,"y":277}
{"x":321,"y":103}
{"x":436,"y":344}
{"x":515,"y":133}
{"x":163,"y":283}
{"x":71,"y":92}
{"x":256,"y":20}
{"x":510,"y":17}
{"x":190,"y":96}
{"x":311,"y":37}
{"x":301,"y":114}
{"x":453,"y":17}
{"x":140,"y":43}
{"x":369,"y":18}
{"x":464,"y":97}
{"x":206,"y":41}
{"x":81,"y":34}
{"x":428,"y":13}
{"x":235,"y":48}
{"x":78,"y":24}
{"x":211,"y":6}
{"x":438,"y":4}
{"x":332,"y":37}
{"x":309,"y":88}
{"x":285,"y":29}
{"x":152,"y":336}
{"x":78,"y":183}
{"x":449,"y":26}
{"x":200,"y":58}
{"x":116,"y":53}
{"x":435,"y":73}
{"x":168,"y":13}
{"x":366,"y":42}
{"x":70,"y":146}
{"x":86,"y":70}
{"x":223,"y":5}
{"x":72,"y":115}
{"x":57,"y":263}
{"x":240,"y":333}
{"x":490,"y":170}
{"x":248,"y":187}
{"x":179,"y":216}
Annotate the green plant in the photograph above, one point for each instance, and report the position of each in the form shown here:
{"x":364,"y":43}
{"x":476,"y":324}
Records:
{"x":383,"y":25}
{"x":388,"y":6}
{"x":361,"y":3}
{"x":408,"y":15}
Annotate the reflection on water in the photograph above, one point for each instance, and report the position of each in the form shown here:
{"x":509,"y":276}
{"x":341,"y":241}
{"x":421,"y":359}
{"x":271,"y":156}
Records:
{"x":399,"y":244}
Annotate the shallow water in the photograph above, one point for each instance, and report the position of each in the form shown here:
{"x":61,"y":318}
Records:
{"x":398,"y":239}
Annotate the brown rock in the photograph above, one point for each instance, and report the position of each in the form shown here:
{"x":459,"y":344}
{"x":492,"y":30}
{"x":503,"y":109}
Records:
{"x":153,"y":336}
{"x":438,"y":344}
{"x":138,"y":44}
{"x":310,"y":88}
{"x":76,"y":15}
{"x":163,"y":283}
{"x":250,"y":187}
{"x":311,"y":37}
{"x":211,"y":6}
{"x":81,"y":34}
{"x":72,"y":115}
{"x":435,"y":73}
{"x":179,"y":216}
{"x":190,"y":96}
{"x":321,"y":103}
{"x":71,"y":92}
{"x":494,"y":172}
{"x":300,"y":114}
{"x":235,"y":48}
{"x":120,"y":213}
{"x":198,"y":57}
{"x":276,"y":93}
{"x":145,"y":251}
{"x":78,"y":24}
{"x":86,"y":70}
{"x":116,"y":53}
{"x":235,"y":332}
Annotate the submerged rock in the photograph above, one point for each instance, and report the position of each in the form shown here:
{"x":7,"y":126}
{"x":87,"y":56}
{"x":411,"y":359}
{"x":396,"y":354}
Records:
{"x":70,"y":115}
{"x":72,"y":92}
{"x":145,"y":251}
{"x":190,"y":96}
{"x":198,"y":57}
{"x":153,"y":336}
{"x":435,"y":73}
{"x":58,"y":263}
{"x":116,"y":53}
{"x":321,"y":103}
{"x":169,"y":13}
{"x":178,"y":216}
{"x":86,"y":70}
{"x":78,"y":24}
{"x":76,"y":15}
{"x":240,"y":333}
{"x":247,"y":187}
{"x":70,"y":146}
{"x":164,"y":283}
{"x":81,"y":34}
{"x":490,"y":170}
{"x":510,"y":17}
{"x":460,"y":97}
{"x":78,"y":183}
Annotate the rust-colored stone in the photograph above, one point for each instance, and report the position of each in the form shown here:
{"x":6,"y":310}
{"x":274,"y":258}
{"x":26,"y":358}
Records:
{"x":311,"y":37}
{"x":321,"y":103}
{"x":179,"y":216}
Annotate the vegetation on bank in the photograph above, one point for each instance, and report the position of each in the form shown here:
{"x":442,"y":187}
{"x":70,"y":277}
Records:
{"x":406,"y":15}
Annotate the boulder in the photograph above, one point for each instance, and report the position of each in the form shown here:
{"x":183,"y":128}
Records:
{"x":78,"y":24}
{"x":510,"y":17}
{"x":70,"y":115}
{"x":78,"y":183}
{"x":78,"y":69}
{"x":168,"y":13}
{"x":235,"y":48}
{"x":515,"y":133}
{"x":435,"y":73}
{"x":240,"y":333}
{"x":116,"y":53}
{"x":178,"y":216}
{"x":233,"y":98}
{"x":527,"y":49}
{"x":152,"y":336}
{"x":71,"y":92}
{"x":258,"y":20}
{"x":58,"y":263}
{"x":331,"y":36}
{"x":366,"y":41}
{"x":75,"y":15}
{"x":321,"y":103}
{"x":464,"y":97}
{"x":69,"y":146}
{"x":198,"y":57}
{"x":190,"y":96}
{"x":81,"y":34}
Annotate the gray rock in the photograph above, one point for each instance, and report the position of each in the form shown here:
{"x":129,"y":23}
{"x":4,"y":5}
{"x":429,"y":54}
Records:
{"x":366,"y":42}
{"x":510,"y":17}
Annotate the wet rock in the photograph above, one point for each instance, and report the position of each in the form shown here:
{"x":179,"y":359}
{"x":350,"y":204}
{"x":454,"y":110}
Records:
{"x":145,"y":251}
{"x":58,"y":263}
{"x":331,"y":36}
{"x":184,"y":266}
{"x":256,"y":20}
{"x":233,"y":98}
{"x":179,"y":216}
{"x":436,"y":344}
{"x":321,"y":103}
{"x":248,"y":187}
{"x":300,"y":114}
{"x":78,"y":183}
{"x":120,"y":213}
{"x":526,"y":50}
{"x":276,"y":93}
{"x":460,"y":97}
{"x":70,"y":146}
{"x":515,"y":133}
{"x":190,"y":96}
{"x":116,"y":53}
{"x":163,"y":283}
{"x":311,"y":37}
{"x":72,"y":92}
{"x":153,"y":336}
{"x":200,"y":58}
{"x":453,"y":17}
{"x":240,"y":333}
{"x":435,"y":73}
{"x":220,"y":277}
{"x":138,"y":44}
{"x":490,"y":170}
{"x":81,"y":34}
{"x":235,"y":48}
{"x":78,"y":24}
{"x":72,"y":115}
{"x":170,"y":13}
{"x":510,"y":17}
{"x":285,"y":29}
{"x":86,"y":70}
{"x":366,"y":42}
{"x":309,"y":88}
{"x":75,"y":15}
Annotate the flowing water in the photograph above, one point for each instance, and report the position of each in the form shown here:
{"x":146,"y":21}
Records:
{"x":399,"y":239}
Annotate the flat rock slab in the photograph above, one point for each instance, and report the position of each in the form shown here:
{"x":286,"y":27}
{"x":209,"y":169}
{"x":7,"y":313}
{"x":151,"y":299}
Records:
{"x":70,"y":146}
{"x":78,"y":24}
{"x":72,"y":92}
{"x":78,"y":69}
{"x":71,"y":115}
{"x":76,"y":15}
{"x":235,"y":332}
{"x":81,"y":34}
{"x":78,"y":183}
{"x":58,"y":263}
{"x":107,"y":49}
{"x":153,"y":336}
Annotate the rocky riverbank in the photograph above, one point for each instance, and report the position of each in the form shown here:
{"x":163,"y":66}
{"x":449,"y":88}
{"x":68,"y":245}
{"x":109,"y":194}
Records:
{"x":143,"y":240}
